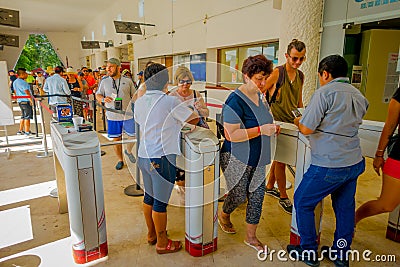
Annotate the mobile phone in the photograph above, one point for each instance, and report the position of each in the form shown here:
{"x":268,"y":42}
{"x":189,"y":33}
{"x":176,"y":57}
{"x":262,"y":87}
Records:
{"x":296,"y":113}
{"x":118,"y":103}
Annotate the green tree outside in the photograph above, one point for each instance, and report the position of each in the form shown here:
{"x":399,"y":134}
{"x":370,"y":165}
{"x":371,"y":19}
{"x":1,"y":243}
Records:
{"x":38,"y":53}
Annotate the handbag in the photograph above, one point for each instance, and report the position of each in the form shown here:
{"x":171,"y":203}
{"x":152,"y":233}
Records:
{"x":393,"y":147}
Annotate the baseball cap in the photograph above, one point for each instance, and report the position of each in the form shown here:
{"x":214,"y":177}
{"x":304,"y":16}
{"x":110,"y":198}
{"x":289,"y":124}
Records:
{"x":140,"y":73}
{"x":114,"y":61}
{"x":125,"y":71}
{"x":11,"y":71}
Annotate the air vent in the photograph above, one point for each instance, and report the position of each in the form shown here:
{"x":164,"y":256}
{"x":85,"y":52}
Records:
{"x":90,"y":44}
{"x":9,"y":17}
{"x":9,"y":40}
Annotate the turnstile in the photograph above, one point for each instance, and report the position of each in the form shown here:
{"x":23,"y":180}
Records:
{"x":79,"y":182}
{"x":293,"y":149}
{"x":200,"y":160}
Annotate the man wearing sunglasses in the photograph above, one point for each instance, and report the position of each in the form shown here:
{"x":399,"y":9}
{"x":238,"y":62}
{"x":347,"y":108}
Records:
{"x":283,"y":90}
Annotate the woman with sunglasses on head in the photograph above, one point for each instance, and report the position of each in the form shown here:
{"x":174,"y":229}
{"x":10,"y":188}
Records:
{"x":248,"y":125}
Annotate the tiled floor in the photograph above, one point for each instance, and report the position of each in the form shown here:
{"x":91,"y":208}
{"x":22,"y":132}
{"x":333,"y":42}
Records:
{"x":47,"y":243}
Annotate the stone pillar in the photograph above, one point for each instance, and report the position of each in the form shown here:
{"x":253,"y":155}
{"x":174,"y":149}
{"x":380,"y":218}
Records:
{"x":302,"y":20}
{"x":99,"y":58}
{"x":113,"y":52}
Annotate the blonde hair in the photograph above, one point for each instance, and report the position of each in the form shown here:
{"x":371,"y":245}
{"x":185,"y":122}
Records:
{"x":181,"y":73}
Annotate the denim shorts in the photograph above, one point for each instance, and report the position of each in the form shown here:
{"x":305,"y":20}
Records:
{"x":26,"y":109}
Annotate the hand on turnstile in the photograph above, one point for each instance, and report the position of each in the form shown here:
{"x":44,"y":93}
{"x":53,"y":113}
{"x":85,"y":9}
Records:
{"x":269,"y":129}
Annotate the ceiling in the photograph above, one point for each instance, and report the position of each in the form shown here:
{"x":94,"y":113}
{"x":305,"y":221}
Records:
{"x":37,"y":16}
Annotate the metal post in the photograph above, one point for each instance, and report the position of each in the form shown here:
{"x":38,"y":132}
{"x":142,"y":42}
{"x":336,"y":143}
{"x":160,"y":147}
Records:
{"x":103,"y":116}
{"x":46,"y":152}
{"x":135,"y":190}
{"x":35,"y":117}
{"x":94,"y":114}
{"x":8,"y":150}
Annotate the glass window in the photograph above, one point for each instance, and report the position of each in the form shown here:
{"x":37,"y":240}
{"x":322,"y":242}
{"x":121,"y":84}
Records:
{"x":231,"y":61}
{"x":180,"y":60}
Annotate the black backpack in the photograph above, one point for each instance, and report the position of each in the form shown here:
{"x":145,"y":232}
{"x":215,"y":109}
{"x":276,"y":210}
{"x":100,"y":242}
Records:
{"x":280,"y":82}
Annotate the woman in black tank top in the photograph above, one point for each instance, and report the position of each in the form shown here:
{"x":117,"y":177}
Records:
{"x":76,"y":90}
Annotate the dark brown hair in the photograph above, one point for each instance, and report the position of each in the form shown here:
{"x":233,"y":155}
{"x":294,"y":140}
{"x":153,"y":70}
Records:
{"x":257,"y":64}
{"x":296,"y":44}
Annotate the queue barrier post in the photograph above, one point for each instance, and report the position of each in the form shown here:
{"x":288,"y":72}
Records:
{"x":134,"y":190}
{"x":44,"y":141}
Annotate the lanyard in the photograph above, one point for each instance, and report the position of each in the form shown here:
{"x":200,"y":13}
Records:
{"x":115,"y":85}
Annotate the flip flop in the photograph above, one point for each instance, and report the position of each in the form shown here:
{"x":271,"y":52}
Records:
{"x":226,"y":227}
{"x":168,"y":249}
{"x":257,"y":247}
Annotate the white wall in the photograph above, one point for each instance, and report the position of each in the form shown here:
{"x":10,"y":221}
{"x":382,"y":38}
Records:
{"x":66,"y":44}
{"x":229,"y":23}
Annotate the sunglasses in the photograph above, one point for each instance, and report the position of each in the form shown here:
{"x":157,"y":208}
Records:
{"x":185,"y":81}
{"x":295,"y":59}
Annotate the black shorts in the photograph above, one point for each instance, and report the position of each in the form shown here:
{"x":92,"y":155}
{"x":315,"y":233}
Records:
{"x":26,"y":110}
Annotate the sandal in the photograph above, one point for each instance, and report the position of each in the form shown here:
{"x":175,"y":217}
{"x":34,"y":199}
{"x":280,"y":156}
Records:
{"x":258,"y":246}
{"x":169,"y":249}
{"x":226,"y":227}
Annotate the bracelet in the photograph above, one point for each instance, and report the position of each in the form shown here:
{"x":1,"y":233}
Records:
{"x":378,"y":156}
{"x":380,"y":150}
{"x":258,"y":130}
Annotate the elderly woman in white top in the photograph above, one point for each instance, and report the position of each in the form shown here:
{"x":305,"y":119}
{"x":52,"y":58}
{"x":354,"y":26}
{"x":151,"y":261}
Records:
{"x":160,"y":118}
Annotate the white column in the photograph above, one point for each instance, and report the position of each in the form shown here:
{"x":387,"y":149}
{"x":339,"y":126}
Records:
{"x":302,"y":20}
{"x":99,"y":58}
{"x":113,"y":52}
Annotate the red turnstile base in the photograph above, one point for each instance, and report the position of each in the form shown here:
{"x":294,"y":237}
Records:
{"x":295,"y":239}
{"x":198,"y":250}
{"x":393,"y":234}
{"x":83,"y":256}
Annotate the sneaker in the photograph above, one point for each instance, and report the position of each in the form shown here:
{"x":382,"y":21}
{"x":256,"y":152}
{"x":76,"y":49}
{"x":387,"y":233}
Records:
{"x":286,"y":205}
{"x":300,"y":254}
{"x":327,"y":254}
{"x":274,"y":192}
{"x":20,"y":132}
{"x":28,"y":133}
{"x":119,"y":165}
{"x":130,"y":156}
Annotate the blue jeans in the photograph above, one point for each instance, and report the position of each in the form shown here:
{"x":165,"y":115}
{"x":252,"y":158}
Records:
{"x":317,"y":183}
{"x":158,"y":178}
